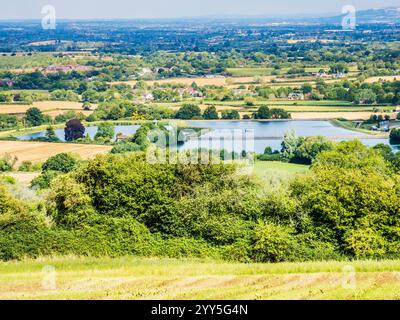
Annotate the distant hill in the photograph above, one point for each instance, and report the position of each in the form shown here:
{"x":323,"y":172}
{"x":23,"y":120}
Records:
{"x":384,"y":15}
{"x":390,"y":15}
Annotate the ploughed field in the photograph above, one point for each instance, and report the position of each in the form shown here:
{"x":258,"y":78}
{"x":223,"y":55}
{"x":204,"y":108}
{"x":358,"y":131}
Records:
{"x":138,"y":278}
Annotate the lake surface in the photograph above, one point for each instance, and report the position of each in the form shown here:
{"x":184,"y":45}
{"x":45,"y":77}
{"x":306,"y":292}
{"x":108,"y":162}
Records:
{"x":268,"y":134}
{"x":244,"y":135}
{"x":125,"y":130}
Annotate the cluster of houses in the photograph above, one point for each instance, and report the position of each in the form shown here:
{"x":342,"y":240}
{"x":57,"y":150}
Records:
{"x":149,"y":97}
{"x":296,"y":96}
{"x":6,"y":83}
{"x":328,"y":75}
{"x":64,"y":68}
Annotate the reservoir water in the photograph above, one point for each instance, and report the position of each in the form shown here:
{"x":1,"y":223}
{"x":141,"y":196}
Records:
{"x":120,"y":129}
{"x":264,"y":133}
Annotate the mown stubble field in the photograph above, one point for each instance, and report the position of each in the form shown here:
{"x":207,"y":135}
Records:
{"x":41,"y":151}
{"x":138,"y":278}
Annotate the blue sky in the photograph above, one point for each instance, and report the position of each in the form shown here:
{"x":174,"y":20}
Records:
{"x":125,"y":9}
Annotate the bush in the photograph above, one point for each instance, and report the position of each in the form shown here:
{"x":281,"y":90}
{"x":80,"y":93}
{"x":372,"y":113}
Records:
{"x":125,"y":146}
{"x":309,"y":148}
{"x":8,"y":180}
{"x":271,"y":157}
{"x":230,"y":115}
{"x":395,"y":136}
{"x":7,"y":163}
{"x":35,"y":117}
{"x":188,"y":112}
{"x":105,"y":132}
{"x":210,"y":113}
{"x":28,"y":166}
{"x":365,"y":243}
{"x":271,"y":242}
{"x":263,"y":113}
{"x":62,"y":162}
{"x":44,"y":180}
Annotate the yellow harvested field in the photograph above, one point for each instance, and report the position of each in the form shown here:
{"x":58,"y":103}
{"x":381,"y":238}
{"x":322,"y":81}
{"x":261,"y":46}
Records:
{"x":41,"y":151}
{"x":335,"y":115}
{"x":43,"y":106}
{"x":13,"y":108}
{"x":60,"y":105}
{"x":58,"y":112}
{"x":382,"y":79}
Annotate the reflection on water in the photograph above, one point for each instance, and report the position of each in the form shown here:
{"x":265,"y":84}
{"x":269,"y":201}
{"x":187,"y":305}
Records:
{"x":262,"y":134}
{"x":125,"y":130}
{"x":270,"y":134}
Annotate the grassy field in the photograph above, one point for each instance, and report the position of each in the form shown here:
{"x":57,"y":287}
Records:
{"x":275,"y":169}
{"x":139,"y":278}
{"x":41,"y":151}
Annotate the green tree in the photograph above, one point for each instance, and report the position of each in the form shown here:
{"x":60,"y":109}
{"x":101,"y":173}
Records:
{"x":365,"y":96}
{"x":62,"y":162}
{"x":105,"y":132}
{"x":188,"y":112}
{"x":289,"y":144}
{"x":395,"y":136}
{"x":306,"y":88}
{"x":34,"y":117}
{"x":230,"y":115}
{"x":310,"y":147}
{"x":263,"y":113}
{"x":271,"y":242}
{"x":51,"y":134}
{"x":7,"y":163}
{"x":210,"y":113}
{"x":74,"y":130}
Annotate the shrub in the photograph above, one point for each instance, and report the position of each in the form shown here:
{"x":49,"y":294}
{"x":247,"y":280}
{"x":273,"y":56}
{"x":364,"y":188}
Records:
{"x":125,"y":146}
{"x":365,"y":243}
{"x":28,"y":166}
{"x":263,"y":113}
{"x":230,"y":115}
{"x":210,"y":113}
{"x":35,"y":117}
{"x":8,"y":180}
{"x":270,"y":157}
{"x":44,"y":180}
{"x":105,"y":132}
{"x":308,"y":149}
{"x":188,"y":112}
{"x":271,"y":242}
{"x":7,"y":163}
{"x":62,"y":162}
{"x":395,"y":136}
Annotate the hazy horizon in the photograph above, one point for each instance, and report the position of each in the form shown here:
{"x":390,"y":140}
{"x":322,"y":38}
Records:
{"x":175,"y":9}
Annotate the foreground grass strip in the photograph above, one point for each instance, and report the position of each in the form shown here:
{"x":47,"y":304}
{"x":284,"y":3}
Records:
{"x":139,"y":278}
